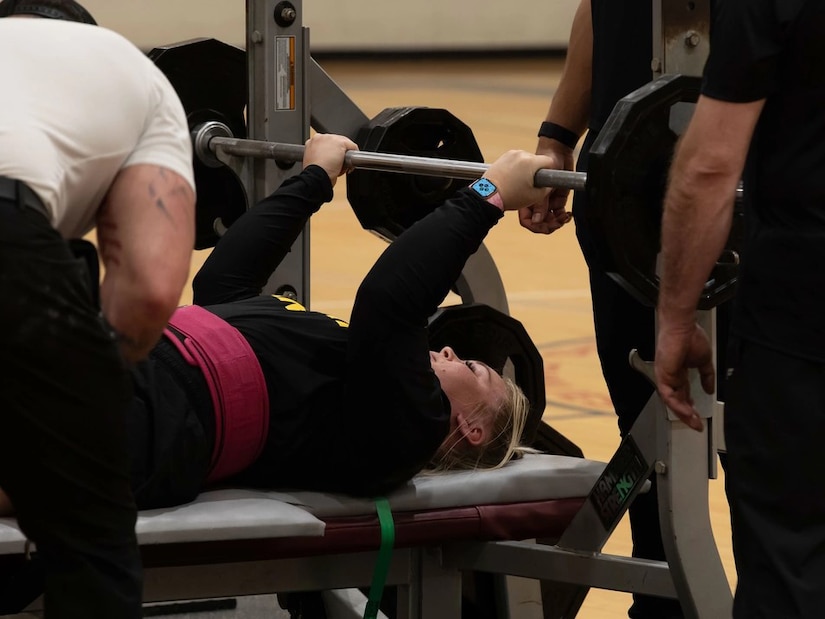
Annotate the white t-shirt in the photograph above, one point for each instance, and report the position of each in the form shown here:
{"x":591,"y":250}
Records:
{"x":77,"y":104}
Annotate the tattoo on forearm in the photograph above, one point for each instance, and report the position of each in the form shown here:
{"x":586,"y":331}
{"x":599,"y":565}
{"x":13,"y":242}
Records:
{"x":178,"y":189}
{"x":153,"y":193}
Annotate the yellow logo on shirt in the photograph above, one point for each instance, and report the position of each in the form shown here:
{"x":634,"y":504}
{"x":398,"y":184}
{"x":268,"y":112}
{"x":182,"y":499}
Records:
{"x":293,"y":306}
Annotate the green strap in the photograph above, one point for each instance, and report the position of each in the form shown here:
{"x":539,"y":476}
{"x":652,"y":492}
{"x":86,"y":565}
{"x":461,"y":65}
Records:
{"x":382,"y":565}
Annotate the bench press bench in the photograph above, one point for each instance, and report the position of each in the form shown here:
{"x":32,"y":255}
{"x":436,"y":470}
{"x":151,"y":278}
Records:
{"x":232,"y":542}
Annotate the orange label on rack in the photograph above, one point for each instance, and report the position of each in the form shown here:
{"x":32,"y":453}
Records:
{"x":284,"y":73}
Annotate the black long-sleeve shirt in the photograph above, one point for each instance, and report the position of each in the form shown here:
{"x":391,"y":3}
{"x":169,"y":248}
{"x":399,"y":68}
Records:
{"x":353,"y":408}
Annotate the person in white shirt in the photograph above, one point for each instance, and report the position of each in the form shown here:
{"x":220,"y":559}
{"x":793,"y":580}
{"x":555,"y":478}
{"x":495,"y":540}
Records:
{"x":92,"y":135}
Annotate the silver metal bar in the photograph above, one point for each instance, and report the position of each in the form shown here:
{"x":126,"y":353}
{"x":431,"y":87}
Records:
{"x":332,"y":110}
{"x":588,"y":568}
{"x":260,"y":577}
{"x":388,"y":162}
{"x":206,"y":143}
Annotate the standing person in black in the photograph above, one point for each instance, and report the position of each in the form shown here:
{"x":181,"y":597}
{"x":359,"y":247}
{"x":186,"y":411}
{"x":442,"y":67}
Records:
{"x":762,"y":112}
{"x":608,"y":56}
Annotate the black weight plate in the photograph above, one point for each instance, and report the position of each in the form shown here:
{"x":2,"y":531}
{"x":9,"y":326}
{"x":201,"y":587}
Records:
{"x":210,"y":78}
{"x":389,"y":202}
{"x":626,"y":182}
{"x":477,"y":331}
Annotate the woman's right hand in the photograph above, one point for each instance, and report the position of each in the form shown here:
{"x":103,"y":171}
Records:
{"x":513,"y":173}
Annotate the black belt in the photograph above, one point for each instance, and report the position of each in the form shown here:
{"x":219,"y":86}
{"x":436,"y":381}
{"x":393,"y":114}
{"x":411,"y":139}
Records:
{"x":20,"y":193}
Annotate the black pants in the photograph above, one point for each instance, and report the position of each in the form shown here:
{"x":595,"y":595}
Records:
{"x":171,"y":430}
{"x":63,"y":391}
{"x":774,"y":429}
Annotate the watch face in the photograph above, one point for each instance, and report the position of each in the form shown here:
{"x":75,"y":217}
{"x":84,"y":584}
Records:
{"x":484,"y":188}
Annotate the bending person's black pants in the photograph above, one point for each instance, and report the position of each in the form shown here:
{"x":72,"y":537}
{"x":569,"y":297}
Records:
{"x":63,"y":392}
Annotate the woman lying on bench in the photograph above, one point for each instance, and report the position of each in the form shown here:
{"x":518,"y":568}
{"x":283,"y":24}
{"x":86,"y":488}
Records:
{"x":257,"y":389}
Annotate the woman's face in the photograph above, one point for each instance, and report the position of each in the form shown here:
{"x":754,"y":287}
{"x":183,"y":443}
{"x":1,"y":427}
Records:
{"x":469,"y":385}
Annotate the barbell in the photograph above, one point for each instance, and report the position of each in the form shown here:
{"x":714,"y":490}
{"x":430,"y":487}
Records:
{"x":625,"y":182}
{"x":214,"y":137}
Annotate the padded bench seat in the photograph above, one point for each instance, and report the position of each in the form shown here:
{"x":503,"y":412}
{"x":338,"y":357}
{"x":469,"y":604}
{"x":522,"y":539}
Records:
{"x":532,"y":497}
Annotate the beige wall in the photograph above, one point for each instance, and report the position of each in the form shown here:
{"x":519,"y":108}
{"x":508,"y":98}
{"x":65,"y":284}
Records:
{"x":353,"y":25}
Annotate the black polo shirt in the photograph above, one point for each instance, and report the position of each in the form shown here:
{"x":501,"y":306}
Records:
{"x":775,"y":50}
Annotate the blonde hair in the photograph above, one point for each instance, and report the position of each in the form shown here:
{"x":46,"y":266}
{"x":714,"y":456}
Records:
{"x":509,"y":416}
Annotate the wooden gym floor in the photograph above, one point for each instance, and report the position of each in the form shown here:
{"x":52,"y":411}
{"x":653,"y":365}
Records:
{"x":503,"y":100}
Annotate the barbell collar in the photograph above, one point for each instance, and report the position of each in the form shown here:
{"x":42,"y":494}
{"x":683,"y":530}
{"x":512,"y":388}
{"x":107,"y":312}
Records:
{"x":201,"y":138}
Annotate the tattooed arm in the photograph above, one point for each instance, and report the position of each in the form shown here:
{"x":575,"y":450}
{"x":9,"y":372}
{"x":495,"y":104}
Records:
{"x":146,"y":232}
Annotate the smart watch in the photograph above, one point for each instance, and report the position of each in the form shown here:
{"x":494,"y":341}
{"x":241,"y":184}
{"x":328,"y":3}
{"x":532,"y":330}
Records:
{"x":485,"y":188}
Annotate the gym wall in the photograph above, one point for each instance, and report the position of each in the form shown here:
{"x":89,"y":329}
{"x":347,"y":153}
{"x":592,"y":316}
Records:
{"x":355,"y":25}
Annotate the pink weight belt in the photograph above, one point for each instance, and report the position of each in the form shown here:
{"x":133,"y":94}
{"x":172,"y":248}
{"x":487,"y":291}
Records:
{"x":236,"y":385}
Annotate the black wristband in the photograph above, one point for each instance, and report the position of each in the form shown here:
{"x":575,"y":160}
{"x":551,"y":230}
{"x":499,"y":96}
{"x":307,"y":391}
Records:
{"x":558,"y":133}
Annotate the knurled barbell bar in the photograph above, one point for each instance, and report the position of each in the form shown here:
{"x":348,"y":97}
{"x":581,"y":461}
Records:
{"x":213,"y":137}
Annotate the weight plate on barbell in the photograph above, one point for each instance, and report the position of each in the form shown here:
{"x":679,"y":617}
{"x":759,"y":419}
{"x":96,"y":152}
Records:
{"x":626,"y":182}
{"x":210,"y":79}
{"x":388,"y":203}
